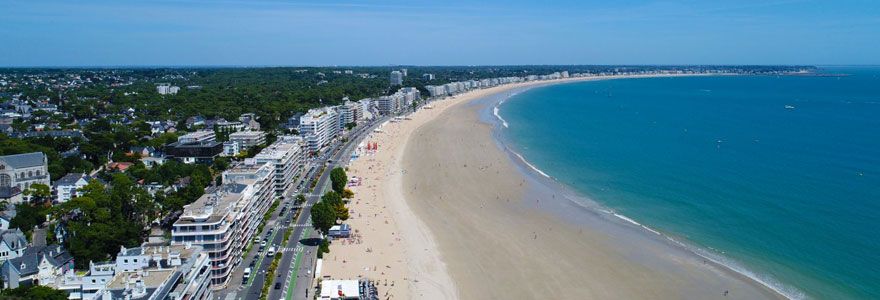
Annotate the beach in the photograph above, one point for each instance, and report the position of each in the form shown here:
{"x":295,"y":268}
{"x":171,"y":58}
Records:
{"x":444,"y":212}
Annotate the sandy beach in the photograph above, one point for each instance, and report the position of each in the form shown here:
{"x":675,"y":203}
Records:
{"x":443,"y":212}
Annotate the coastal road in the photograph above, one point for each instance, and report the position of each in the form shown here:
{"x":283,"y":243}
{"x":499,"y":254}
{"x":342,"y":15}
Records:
{"x":294,"y":270}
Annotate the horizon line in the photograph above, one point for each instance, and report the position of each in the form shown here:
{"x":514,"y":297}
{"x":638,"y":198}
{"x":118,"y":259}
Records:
{"x":417,"y":66}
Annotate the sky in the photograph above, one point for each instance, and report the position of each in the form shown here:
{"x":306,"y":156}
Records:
{"x":456,"y":32}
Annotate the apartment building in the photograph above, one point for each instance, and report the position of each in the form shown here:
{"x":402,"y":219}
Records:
{"x":286,"y":158}
{"x":152,"y":271}
{"x":319,"y":127}
{"x":247,"y":139}
{"x":223,"y":221}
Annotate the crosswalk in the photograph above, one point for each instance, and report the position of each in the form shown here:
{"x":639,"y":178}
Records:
{"x":296,"y":249}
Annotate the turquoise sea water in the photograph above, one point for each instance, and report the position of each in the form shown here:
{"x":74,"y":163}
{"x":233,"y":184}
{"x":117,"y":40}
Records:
{"x":791,"y":196}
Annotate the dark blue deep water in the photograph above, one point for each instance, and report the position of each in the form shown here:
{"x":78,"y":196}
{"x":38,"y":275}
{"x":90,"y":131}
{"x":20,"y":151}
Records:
{"x":790,"y":196}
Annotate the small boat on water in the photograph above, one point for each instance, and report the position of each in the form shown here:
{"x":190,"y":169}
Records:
{"x":789,"y":107}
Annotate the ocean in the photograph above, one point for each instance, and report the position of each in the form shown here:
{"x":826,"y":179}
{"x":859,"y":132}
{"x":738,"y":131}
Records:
{"x":776,"y":177}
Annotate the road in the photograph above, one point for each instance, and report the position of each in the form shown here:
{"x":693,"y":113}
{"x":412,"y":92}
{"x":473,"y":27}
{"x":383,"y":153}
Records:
{"x":294,"y":270}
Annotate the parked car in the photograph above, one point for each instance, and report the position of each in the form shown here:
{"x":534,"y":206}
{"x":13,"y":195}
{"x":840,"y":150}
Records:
{"x":278,"y":285}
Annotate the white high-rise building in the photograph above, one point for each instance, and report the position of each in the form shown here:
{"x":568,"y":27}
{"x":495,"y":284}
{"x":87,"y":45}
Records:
{"x":319,"y":127}
{"x":247,"y":139}
{"x":286,"y":158}
{"x":167,"y":89}
{"x":396,"y":78}
{"x":224,"y":221}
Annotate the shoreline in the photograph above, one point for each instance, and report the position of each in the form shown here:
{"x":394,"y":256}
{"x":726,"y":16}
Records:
{"x":432,"y":249}
{"x":546,"y":182}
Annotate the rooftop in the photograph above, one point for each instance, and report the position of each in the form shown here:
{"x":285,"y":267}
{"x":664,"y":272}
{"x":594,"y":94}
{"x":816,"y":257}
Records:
{"x":24,"y":160}
{"x":277,"y":150}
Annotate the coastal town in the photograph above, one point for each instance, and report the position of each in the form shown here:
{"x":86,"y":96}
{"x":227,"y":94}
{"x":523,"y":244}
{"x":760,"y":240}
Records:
{"x":181,"y":184}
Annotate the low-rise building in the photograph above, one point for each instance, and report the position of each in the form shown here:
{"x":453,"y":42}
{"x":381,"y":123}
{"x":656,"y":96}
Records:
{"x":67,"y":187}
{"x":151,"y":271}
{"x":38,"y":266}
{"x":195,"y":147}
{"x":12,"y":244}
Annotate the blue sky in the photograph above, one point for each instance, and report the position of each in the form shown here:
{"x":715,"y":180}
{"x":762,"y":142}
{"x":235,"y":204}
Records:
{"x":309,"y":33}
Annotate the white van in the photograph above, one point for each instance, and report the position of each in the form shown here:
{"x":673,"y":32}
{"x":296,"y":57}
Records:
{"x":247,"y":273}
{"x":271,"y":251}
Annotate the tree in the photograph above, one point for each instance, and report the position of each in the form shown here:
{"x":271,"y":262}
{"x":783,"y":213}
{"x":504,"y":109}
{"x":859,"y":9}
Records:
{"x":338,"y":179}
{"x":323,"y":216}
{"x":332,"y":198}
{"x":335,"y":202}
{"x":38,"y":193}
{"x":102,"y":221}
{"x":27,"y":217}
{"x":347,"y":194}
{"x":221,"y":163}
{"x":341,"y":212}
{"x":300,"y":199}
{"x":34,"y":292}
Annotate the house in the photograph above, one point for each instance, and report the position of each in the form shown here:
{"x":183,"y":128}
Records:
{"x":195,"y":121}
{"x":38,"y":266}
{"x":61,"y":233}
{"x":67,"y":187}
{"x":181,"y":183}
{"x":151,"y":161}
{"x":250,"y":121}
{"x":118,"y":166}
{"x":6,"y":216}
{"x":12,"y":244}
{"x":142,"y":151}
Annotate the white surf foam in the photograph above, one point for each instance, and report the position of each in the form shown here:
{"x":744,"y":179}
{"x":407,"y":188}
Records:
{"x":503,"y":122}
{"x":530,"y":165}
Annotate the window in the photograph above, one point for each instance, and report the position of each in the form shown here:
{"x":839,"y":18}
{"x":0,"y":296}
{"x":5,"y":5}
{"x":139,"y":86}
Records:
{"x":125,"y":261}
{"x":5,"y":180}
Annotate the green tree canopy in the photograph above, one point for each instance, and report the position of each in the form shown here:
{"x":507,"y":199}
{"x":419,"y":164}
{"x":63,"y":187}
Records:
{"x":33,"y":292}
{"x":38,"y":193}
{"x":338,"y":179}
{"x":323,"y":216}
{"x":27,"y":217}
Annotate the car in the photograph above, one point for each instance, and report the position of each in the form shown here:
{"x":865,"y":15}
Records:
{"x":287,"y":221}
{"x":263,"y":244}
{"x":278,"y":285}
